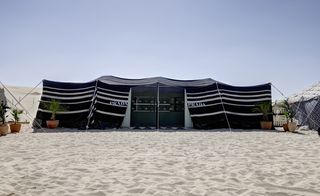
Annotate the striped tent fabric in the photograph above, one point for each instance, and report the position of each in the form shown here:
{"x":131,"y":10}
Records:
{"x":103,"y":103}
{"x":92,"y":108}
{"x":111,"y":105}
{"x":86,"y":105}
{"x":75,"y":98}
{"x":214,"y":105}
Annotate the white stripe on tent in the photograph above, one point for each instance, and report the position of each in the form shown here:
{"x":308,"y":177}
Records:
{"x":231,"y":91}
{"x":228,"y":112}
{"x":124,"y":106}
{"x":66,"y":89}
{"x":67,"y":98}
{"x":110,"y":113}
{"x":67,"y":103}
{"x":113,"y":91}
{"x":227,"y":94}
{"x":65,"y":112}
{"x":111,"y":99}
{"x":234,"y":104}
{"x":230,"y":99}
{"x":113,"y":95}
{"x":214,"y":104}
{"x":68,"y":93}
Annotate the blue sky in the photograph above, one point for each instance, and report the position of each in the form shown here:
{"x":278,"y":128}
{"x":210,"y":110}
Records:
{"x":240,"y":42}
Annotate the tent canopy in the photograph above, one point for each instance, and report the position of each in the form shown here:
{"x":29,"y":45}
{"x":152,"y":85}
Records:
{"x":112,"y":80}
{"x":307,"y":106}
{"x":107,"y":100}
{"x":307,"y":94}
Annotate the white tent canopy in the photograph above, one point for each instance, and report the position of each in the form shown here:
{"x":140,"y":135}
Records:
{"x":307,"y":94}
{"x":307,"y":106}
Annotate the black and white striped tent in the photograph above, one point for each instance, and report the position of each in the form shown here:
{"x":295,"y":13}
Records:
{"x":154,"y":102}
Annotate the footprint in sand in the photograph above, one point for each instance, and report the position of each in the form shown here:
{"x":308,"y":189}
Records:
{"x":136,"y":190}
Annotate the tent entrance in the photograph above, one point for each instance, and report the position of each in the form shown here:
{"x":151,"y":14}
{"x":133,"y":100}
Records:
{"x":157,"y":106}
{"x":143,"y":107}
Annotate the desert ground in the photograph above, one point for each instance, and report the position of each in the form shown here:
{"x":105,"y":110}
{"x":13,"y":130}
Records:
{"x":160,"y":163}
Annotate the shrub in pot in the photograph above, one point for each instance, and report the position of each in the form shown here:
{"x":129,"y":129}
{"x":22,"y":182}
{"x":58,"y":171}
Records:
{"x":289,"y":114}
{"x":53,"y":106}
{"x":16,"y":126}
{"x":4,"y":129}
{"x":265,"y":109}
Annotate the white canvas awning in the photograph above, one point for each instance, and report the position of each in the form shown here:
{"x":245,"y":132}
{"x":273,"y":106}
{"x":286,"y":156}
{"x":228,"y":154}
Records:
{"x":307,"y":94}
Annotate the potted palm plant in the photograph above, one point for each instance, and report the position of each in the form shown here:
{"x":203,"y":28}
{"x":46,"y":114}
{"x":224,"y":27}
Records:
{"x":265,"y":109}
{"x":16,"y":126}
{"x":4,"y":129}
{"x":53,"y":106}
{"x":289,"y":114}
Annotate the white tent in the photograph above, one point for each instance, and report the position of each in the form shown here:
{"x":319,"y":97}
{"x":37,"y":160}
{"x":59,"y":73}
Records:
{"x":25,"y":98}
{"x":307,"y":94}
{"x":307,"y":106}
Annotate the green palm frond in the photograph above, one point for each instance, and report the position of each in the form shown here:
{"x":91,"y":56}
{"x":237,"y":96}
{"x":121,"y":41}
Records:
{"x":287,"y":110}
{"x":16,"y":114}
{"x":54,"y":106}
{"x":264,"y":108}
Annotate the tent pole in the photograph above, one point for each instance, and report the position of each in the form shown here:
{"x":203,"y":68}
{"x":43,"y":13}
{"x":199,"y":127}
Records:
{"x":278,"y":90}
{"x":158,"y":104}
{"x":92,"y":106}
{"x":223,"y":107}
{"x":29,"y":93}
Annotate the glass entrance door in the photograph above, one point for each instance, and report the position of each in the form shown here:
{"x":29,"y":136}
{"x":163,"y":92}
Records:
{"x":145,"y":111}
{"x":143,"y":107}
{"x":171,"y":107}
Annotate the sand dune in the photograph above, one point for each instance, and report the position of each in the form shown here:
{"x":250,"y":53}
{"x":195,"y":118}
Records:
{"x":160,"y":163}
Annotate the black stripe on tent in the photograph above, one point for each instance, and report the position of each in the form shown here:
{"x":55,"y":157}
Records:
{"x":104,"y":96}
{"x":219,"y":121}
{"x":121,"y":88}
{"x":111,"y":108}
{"x":68,"y":85}
{"x":218,"y":107}
{"x":115,"y":92}
{"x":68,"y":101}
{"x":103,"y":121}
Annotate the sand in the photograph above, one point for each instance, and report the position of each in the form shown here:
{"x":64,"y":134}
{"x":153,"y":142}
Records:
{"x":160,"y":163}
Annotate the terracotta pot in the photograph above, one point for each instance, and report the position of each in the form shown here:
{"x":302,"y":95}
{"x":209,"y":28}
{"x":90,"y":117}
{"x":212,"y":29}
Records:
{"x":4,"y":129}
{"x":292,"y":126}
{"x":266,"y":125}
{"x":52,"y":124}
{"x":15,"y":128}
{"x":285,"y":127}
